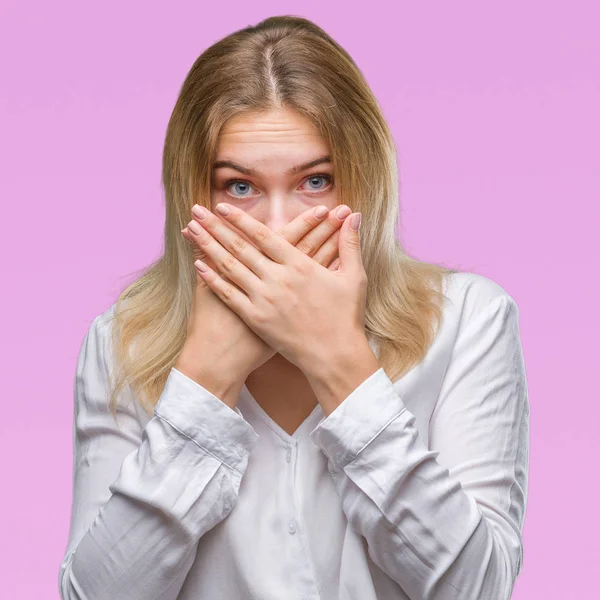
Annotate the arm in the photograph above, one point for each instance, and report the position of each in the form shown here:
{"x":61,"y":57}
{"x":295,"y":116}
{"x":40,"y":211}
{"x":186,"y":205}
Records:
{"x":443,"y":521}
{"x":142,"y":499}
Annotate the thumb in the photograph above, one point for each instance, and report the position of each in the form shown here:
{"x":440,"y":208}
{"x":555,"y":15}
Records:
{"x":349,"y":243}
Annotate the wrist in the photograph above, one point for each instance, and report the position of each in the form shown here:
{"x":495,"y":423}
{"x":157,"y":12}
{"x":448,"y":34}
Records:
{"x":219,"y":382}
{"x":333,"y":378}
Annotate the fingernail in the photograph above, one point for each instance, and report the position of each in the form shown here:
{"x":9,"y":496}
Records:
{"x":342,"y":212}
{"x":200,"y":266}
{"x":199,"y":211}
{"x":195,"y":227}
{"x":321,"y":211}
{"x":222,"y":209}
{"x":355,"y":221}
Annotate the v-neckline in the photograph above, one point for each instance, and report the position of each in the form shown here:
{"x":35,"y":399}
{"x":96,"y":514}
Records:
{"x":247,"y":400}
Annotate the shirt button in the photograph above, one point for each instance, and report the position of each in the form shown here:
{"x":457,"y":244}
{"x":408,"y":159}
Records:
{"x":292,"y":527}
{"x":288,"y":455}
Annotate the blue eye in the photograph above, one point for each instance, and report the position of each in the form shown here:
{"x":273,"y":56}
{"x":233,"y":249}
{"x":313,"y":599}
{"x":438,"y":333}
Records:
{"x":313,"y":177}
{"x":235,"y":182}
{"x":246,"y":186}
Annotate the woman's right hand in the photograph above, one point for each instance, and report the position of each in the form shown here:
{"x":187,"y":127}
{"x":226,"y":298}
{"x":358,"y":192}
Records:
{"x":220,"y":350}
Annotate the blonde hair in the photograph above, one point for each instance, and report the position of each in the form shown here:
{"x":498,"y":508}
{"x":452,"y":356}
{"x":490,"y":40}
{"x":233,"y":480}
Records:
{"x":283,"y":61}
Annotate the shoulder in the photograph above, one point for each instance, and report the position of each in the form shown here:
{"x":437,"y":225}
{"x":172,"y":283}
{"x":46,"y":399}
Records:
{"x":476,"y":305}
{"x":104,"y":319}
{"x":103,"y":322}
{"x":469,"y":295}
{"x":98,"y":337}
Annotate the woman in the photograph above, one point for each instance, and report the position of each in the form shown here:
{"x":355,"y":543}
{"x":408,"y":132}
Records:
{"x":315,"y":415}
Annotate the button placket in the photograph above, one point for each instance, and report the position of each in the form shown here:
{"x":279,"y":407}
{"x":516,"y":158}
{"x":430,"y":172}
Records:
{"x":292,"y":523}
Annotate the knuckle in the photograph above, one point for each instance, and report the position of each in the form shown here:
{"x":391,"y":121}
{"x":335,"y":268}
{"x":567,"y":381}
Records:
{"x":302,"y":268}
{"x":331,"y":227}
{"x":198,"y":253}
{"x":229,"y":263}
{"x":353,"y":244}
{"x":227,"y":291}
{"x":239,"y":245}
{"x":258,"y":318}
{"x":262,"y":233}
{"x":308,"y":221}
{"x":304,"y":246}
{"x":263,"y":262}
{"x":284,"y":235}
{"x":269,"y":299}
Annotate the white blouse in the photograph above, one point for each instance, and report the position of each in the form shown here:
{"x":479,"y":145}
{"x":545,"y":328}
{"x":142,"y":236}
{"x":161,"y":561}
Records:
{"x":410,"y":489}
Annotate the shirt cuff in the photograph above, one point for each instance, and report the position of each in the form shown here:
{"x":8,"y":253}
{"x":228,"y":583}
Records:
{"x":358,"y":420}
{"x":199,"y":415}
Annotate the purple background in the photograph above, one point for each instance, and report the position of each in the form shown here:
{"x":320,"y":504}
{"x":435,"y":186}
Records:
{"x":495,"y":114}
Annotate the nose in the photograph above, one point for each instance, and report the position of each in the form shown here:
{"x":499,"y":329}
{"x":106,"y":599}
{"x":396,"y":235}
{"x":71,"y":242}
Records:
{"x":276,"y":223}
{"x":279,"y":210}
{"x":279,"y":214}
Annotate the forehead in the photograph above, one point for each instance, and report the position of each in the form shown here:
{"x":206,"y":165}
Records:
{"x":270,"y":142}
{"x":281,"y":128}
{"x":274,"y":120}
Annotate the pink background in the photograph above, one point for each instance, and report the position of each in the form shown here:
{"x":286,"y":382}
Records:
{"x":495,"y":114}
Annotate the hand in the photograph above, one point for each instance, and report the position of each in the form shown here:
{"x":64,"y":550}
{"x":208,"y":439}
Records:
{"x":216,"y":331}
{"x":299,"y":307}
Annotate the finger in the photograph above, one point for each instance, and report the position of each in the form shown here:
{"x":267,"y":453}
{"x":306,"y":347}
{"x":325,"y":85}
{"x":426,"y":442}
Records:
{"x":328,"y":250}
{"x":231,"y":263}
{"x":227,"y":292}
{"x":197,"y":251}
{"x":309,"y":232}
{"x":269,"y":243}
{"x":199,"y":254}
{"x":300,"y":226}
{"x":317,"y":236}
{"x":225,"y":224}
{"x":240,"y":238}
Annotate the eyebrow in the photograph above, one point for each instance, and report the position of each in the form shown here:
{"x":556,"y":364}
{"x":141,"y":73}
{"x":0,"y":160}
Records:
{"x":220,"y":164}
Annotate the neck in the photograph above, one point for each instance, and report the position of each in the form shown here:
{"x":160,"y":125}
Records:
{"x":277,"y":368}
{"x":267,"y":382}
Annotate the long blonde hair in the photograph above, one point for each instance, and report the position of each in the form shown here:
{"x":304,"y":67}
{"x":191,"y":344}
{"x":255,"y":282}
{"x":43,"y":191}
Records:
{"x":284,"y":61}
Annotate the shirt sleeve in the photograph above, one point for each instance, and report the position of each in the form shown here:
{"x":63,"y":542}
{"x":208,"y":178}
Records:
{"x":443,"y":521}
{"x":142,"y":498}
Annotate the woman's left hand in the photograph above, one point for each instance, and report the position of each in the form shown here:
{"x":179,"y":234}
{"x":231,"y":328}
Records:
{"x":303,"y":310}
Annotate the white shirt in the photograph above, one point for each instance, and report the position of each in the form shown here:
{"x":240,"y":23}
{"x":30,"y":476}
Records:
{"x":410,"y":489}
